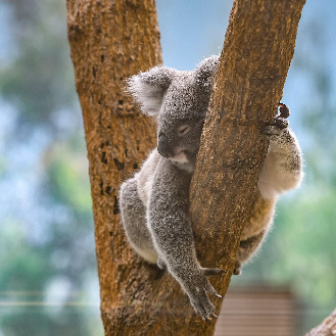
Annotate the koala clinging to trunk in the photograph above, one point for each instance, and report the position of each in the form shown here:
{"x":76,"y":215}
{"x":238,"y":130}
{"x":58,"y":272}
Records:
{"x":155,"y":202}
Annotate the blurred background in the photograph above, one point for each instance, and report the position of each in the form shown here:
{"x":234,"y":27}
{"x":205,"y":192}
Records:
{"x":48,"y":276}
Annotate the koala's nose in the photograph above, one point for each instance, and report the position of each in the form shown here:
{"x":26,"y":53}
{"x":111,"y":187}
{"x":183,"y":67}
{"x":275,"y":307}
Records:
{"x":163,"y":145}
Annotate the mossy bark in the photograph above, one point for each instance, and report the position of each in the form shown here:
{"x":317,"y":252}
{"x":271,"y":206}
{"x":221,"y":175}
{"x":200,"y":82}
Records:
{"x":112,"y":40}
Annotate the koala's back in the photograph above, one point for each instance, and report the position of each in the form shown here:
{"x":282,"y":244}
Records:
{"x":145,"y":176}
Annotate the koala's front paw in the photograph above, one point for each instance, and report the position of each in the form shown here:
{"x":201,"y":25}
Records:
{"x":276,"y":128}
{"x":197,"y":288}
{"x":279,"y":124}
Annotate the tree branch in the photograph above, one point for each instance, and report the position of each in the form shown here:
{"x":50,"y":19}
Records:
{"x":326,"y":328}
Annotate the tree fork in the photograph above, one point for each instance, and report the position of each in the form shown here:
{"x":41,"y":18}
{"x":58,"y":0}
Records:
{"x":112,"y":40}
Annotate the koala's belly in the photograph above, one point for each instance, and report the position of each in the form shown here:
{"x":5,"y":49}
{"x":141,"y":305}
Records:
{"x":145,"y":176}
{"x":263,"y":213}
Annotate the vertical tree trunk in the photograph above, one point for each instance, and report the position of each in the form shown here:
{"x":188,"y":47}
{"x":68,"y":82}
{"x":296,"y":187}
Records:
{"x":258,"y":48}
{"x":110,"y":41}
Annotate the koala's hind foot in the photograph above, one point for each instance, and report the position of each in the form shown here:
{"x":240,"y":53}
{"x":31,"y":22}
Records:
{"x":276,"y":128}
{"x":282,"y":169}
{"x":279,"y":123}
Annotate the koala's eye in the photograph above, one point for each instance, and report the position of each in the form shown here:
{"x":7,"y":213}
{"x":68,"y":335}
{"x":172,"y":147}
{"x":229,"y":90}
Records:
{"x":183,"y":130}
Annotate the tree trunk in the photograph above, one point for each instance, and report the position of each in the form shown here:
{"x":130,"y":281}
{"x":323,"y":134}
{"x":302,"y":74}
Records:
{"x":112,"y":40}
{"x":258,"y":48}
{"x":326,"y":328}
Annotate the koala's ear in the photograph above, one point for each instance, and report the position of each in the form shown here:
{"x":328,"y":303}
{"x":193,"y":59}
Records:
{"x":206,"y":70}
{"x":148,"y":88}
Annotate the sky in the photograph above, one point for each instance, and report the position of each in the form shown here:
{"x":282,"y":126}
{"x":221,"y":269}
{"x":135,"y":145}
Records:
{"x":193,"y":30}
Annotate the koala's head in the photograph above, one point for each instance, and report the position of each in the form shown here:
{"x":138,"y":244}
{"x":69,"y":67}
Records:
{"x":179,"y":101}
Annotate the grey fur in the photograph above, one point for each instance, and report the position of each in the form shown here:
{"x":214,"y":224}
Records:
{"x":155,"y":202}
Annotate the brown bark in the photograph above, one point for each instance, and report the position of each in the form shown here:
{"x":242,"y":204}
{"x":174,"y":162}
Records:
{"x":326,"y":328}
{"x":258,"y":48}
{"x":112,"y":40}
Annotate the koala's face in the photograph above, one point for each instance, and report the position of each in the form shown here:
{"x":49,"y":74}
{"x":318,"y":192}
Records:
{"x":179,"y":101}
{"x":179,"y":141}
{"x":180,"y":120}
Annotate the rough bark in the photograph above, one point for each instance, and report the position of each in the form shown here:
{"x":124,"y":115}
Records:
{"x":258,"y":48}
{"x":112,"y":40}
{"x":326,"y":328}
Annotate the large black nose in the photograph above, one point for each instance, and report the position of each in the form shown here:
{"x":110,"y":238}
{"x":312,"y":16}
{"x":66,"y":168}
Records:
{"x":163,"y":145}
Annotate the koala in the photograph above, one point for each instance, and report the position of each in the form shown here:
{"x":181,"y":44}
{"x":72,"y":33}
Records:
{"x":154,"y":203}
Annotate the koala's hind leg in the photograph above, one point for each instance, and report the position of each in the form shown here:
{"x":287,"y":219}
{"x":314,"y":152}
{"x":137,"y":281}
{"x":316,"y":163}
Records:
{"x":246,"y":248}
{"x":282,"y":169}
{"x":133,"y":215}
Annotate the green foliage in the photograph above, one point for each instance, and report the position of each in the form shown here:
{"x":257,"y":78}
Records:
{"x":43,"y":321}
{"x":38,"y":79}
{"x":68,"y":177}
{"x":51,"y":244}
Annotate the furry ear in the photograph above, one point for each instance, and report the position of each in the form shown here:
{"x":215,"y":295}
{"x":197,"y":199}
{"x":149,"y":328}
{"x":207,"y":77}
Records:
{"x":148,"y":88}
{"x":206,"y":70}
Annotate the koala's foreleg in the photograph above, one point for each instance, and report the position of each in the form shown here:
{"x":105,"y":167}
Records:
{"x":282,"y":169}
{"x":169,"y":222}
{"x":134,"y":221}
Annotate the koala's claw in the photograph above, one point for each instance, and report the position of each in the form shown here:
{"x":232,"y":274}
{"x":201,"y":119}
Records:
{"x":161,"y":264}
{"x":284,"y":110}
{"x":279,"y":123}
{"x":211,"y":316}
{"x":237,"y":269}
{"x":276,"y":128}
{"x":198,"y":295}
{"x":212,"y":271}
{"x":203,"y":306}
